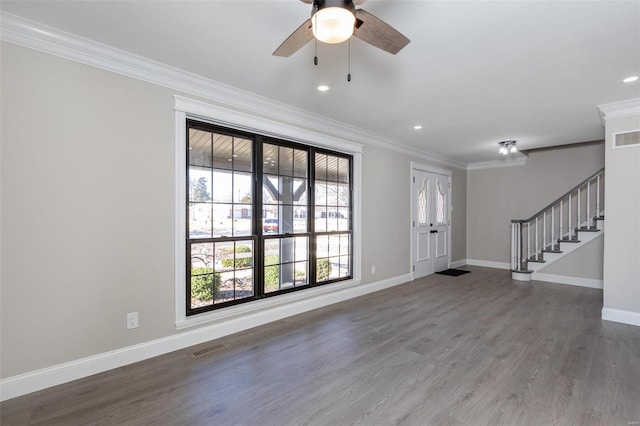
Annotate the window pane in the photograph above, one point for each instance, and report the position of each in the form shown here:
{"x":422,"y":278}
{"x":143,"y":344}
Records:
{"x":301,"y":274}
{"x":242,"y":220}
{"x":286,"y":161}
{"x":222,"y":186}
{"x":322,"y":246}
{"x":321,"y":194}
{"x":321,"y":219}
{"x":343,"y":220}
{"x":332,"y":168}
{"x":199,"y":220}
{"x":286,"y":220}
{"x":242,"y":154}
{"x":242,"y":192}
{"x":300,"y":192}
{"x":321,"y":167}
{"x":332,"y":194}
{"x":222,"y":225}
{"x":300,"y":163}
{"x":201,"y":257}
{"x":222,"y":151}
{"x":334,"y":245}
{"x":270,"y":159}
{"x":270,"y":192}
{"x":200,"y":148}
{"x":343,"y":194}
{"x":203,"y":287}
{"x":345,"y":266}
{"x":199,"y":184}
{"x":323,"y":269}
{"x":343,"y":170}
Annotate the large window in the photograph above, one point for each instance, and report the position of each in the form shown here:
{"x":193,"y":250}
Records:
{"x":264,"y":217}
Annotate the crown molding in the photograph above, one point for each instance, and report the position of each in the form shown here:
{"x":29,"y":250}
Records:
{"x":628,"y":108}
{"x":498,"y":164}
{"x":36,"y":36}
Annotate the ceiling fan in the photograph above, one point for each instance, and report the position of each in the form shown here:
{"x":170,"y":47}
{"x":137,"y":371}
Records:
{"x":335,"y":21}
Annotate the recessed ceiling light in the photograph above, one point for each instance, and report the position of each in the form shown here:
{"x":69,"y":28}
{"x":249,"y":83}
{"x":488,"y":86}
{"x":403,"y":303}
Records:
{"x":323,"y":88}
{"x":418,"y":127}
{"x":630,"y":79}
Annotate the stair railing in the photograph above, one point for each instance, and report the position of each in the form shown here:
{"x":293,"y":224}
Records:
{"x":559,"y":221}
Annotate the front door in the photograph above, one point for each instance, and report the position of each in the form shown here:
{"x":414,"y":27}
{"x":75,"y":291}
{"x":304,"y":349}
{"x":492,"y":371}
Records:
{"x":430,"y":223}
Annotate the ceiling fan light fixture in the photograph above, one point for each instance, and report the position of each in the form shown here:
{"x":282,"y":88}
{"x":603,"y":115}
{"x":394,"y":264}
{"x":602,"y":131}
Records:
{"x":333,"y":23}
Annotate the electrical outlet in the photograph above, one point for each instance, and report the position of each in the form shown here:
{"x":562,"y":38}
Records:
{"x":373,"y":269}
{"x":132,"y":320}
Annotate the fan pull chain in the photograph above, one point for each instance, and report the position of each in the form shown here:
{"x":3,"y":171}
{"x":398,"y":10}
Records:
{"x":349,"y":74}
{"x":315,"y":44}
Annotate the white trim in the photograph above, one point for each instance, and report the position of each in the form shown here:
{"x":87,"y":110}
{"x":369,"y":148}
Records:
{"x":216,"y":114}
{"x":458,"y":263}
{"x":489,"y":264}
{"x":430,"y":169}
{"x":22,"y":384}
{"x":613,"y":140}
{"x":565,"y":279}
{"x":618,"y":315}
{"x":628,"y":108}
{"x":520,"y":276}
{"x":33,"y":35}
{"x":497,"y":164}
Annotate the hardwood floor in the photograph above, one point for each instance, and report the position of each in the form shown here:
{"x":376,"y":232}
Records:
{"x":479,"y":349}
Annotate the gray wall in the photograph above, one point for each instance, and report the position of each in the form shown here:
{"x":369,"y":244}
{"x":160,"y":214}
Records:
{"x":622,"y":235}
{"x":495,"y":196}
{"x":87,"y":186}
{"x":585,"y":262}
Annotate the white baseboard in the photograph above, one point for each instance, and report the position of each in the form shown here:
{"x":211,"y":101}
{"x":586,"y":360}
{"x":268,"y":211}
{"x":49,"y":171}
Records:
{"x":565,"y":279}
{"x":488,"y":264}
{"x":33,"y":381}
{"x":618,"y":315}
{"x":458,"y":263}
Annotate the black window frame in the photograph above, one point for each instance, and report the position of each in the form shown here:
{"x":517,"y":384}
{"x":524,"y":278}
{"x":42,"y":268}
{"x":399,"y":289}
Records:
{"x":257,"y":236}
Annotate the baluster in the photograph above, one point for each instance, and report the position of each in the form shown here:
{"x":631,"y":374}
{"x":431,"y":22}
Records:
{"x":536,"y":253}
{"x":528,"y":240}
{"x":598,"y":196}
{"x":544,"y":230}
{"x":553,"y":225}
{"x":588,"y":203}
{"x":579,"y":224}
{"x":561,"y":220}
{"x":519,"y":246}
{"x":569,"y":216}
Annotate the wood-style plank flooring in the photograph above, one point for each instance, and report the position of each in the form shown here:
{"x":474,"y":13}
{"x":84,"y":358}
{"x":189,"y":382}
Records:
{"x":479,"y":349}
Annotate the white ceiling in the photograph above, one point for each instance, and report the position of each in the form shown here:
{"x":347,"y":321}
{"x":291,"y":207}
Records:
{"x":475,"y":73}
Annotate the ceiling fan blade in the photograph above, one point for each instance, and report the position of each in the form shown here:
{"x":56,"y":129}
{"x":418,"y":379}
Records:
{"x":378,"y":33}
{"x":296,"y":40}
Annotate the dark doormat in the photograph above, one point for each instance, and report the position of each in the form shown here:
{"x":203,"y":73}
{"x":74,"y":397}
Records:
{"x":453,"y":272}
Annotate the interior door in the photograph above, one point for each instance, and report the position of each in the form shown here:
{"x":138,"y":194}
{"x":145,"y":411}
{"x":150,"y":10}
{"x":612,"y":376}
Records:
{"x":430,"y":223}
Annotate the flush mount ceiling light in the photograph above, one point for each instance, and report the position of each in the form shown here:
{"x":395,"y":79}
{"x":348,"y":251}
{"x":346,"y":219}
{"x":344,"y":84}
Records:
{"x":506,"y":147}
{"x":417,"y":127}
{"x":630,"y":79}
{"x":335,"y":21}
{"x":323,"y":88}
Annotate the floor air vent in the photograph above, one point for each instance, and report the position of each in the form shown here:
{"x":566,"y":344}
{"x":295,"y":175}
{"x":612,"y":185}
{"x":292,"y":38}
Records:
{"x":208,"y":350}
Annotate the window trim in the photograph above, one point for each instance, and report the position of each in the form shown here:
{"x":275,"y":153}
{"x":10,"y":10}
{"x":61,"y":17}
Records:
{"x":267,"y":126}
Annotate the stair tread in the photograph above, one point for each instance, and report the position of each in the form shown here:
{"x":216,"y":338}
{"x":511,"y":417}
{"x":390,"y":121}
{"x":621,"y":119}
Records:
{"x":551,"y":251}
{"x":524,"y":271}
{"x":569,"y":241}
{"x":588,"y":229}
{"x":537,"y":260}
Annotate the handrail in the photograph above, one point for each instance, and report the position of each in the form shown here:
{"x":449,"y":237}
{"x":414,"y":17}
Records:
{"x":558,"y":199}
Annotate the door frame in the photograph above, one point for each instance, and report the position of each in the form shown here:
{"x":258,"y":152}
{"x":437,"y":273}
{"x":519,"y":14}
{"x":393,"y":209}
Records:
{"x":440,"y":171}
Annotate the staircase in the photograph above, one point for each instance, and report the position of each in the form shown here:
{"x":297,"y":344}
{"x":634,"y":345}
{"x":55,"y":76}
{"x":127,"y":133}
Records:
{"x":563,"y":226}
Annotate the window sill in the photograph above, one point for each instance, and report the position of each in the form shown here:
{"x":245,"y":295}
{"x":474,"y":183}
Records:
{"x":256,"y":306}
